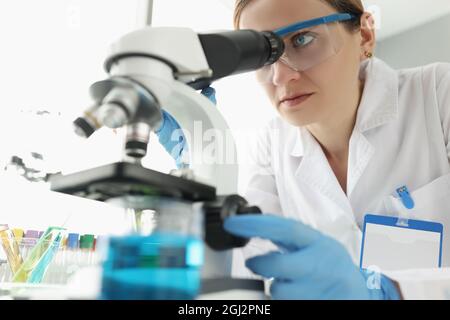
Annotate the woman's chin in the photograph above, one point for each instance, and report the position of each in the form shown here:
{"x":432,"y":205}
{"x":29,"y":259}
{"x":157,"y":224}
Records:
{"x":297,"y":120}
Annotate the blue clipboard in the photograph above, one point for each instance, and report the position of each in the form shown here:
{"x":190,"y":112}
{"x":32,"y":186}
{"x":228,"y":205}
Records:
{"x":393,"y":222}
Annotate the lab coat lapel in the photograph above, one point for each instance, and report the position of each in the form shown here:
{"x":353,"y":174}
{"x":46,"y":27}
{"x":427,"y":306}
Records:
{"x":379,"y":101}
{"x":379,"y":106}
{"x":315,"y":171}
{"x":361,"y":152}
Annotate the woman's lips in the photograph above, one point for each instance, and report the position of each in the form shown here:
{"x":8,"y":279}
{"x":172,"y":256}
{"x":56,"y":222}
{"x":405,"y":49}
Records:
{"x":296,"y":101}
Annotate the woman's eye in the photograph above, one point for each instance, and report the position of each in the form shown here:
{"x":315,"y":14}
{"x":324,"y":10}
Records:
{"x":303,"y":40}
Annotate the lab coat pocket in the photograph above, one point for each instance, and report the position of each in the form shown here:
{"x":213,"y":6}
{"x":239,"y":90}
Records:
{"x":431,"y":202}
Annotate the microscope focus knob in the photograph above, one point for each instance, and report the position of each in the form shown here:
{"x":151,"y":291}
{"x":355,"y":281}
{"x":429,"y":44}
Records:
{"x":216,"y":237}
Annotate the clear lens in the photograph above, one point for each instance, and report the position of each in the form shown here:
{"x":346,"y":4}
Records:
{"x":305,"y":49}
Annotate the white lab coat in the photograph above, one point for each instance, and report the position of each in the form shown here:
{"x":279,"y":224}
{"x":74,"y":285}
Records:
{"x":401,"y":137}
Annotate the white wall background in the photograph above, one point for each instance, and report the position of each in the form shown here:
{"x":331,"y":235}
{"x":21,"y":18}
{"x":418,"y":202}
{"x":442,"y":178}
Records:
{"x":397,"y":16}
{"x":52,"y":50}
{"x":420,"y":45}
{"x":411,"y":33}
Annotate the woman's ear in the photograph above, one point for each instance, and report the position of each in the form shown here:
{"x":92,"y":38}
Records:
{"x":367,"y":36}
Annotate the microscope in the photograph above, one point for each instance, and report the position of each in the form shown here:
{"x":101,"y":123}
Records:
{"x":155,"y":69}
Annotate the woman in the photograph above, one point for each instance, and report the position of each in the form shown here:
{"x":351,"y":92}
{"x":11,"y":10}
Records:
{"x":351,"y":132}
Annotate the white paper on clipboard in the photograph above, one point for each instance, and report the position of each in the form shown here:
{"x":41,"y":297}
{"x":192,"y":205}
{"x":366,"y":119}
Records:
{"x":390,"y":247}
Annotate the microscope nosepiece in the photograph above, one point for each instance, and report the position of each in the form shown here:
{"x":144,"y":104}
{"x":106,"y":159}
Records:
{"x":113,"y":115}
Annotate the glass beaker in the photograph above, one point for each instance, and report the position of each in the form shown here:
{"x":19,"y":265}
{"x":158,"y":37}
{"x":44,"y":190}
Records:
{"x":165,"y":264}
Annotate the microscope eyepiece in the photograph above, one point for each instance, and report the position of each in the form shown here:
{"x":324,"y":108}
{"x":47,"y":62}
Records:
{"x":235,"y":52}
{"x":276,"y":46}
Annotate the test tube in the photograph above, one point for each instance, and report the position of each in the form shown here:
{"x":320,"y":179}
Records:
{"x":72,"y":258}
{"x":18,"y":236}
{"x":101,"y":246}
{"x":36,"y":264}
{"x":64,"y":242}
{"x":11,"y":248}
{"x":86,"y":246}
{"x":28,"y":241}
{"x":57,"y":271}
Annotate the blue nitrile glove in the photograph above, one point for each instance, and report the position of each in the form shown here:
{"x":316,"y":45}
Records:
{"x":210,"y":93}
{"x":171,"y":136}
{"x":309,"y":264}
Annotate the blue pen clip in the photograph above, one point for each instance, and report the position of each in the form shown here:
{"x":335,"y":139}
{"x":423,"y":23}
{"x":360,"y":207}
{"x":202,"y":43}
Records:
{"x":407,"y":201}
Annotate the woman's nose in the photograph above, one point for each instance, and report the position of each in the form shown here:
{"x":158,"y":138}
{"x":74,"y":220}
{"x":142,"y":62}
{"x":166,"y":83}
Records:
{"x":283,"y":73}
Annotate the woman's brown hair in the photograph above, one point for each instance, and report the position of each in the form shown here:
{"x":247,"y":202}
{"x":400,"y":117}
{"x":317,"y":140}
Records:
{"x":354,"y":7}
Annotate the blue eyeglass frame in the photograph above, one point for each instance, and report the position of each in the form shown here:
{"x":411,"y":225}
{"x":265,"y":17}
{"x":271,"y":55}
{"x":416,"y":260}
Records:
{"x":337,"y":17}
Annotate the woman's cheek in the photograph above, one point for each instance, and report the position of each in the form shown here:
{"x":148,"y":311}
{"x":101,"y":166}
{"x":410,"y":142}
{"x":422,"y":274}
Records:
{"x":270,"y":91}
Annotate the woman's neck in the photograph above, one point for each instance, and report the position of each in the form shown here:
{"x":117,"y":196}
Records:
{"x":334,"y":138}
{"x":334,"y":135}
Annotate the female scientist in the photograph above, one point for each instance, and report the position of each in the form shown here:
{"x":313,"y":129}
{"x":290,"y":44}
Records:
{"x":353,"y":137}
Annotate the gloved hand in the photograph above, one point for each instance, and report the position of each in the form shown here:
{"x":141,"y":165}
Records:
{"x":310,"y":265}
{"x":171,"y":136}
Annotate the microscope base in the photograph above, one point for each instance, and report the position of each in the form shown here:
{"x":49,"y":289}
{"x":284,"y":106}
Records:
{"x":232,"y":289}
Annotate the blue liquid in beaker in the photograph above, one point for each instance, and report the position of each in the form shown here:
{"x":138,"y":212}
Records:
{"x":159,"y":266}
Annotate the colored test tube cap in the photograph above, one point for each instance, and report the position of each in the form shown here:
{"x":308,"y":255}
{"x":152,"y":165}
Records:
{"x":32,"y":234}
{"x":87,"y":241}
{"x":72,"y":240}
{"x":18,"y":233}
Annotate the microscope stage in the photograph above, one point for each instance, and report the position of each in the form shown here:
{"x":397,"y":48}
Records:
{"x":123,"y":179}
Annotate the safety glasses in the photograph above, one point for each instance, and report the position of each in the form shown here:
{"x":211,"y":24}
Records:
{"x":307,"y":44}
